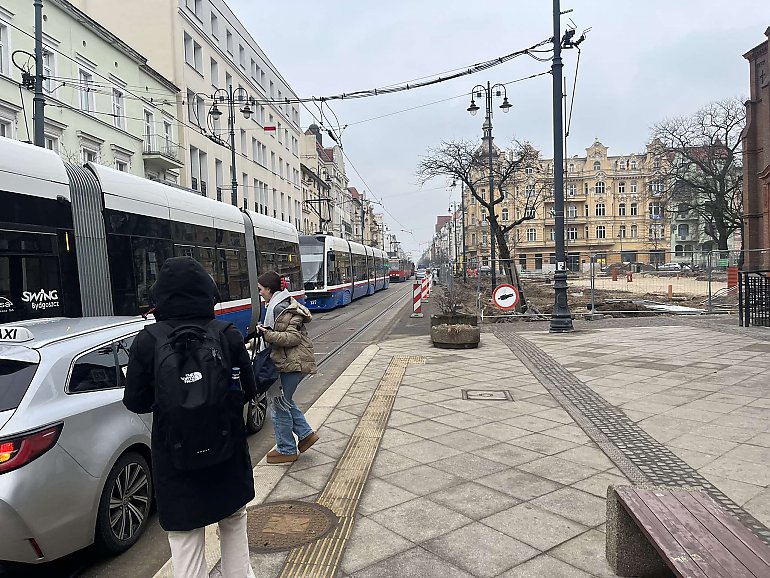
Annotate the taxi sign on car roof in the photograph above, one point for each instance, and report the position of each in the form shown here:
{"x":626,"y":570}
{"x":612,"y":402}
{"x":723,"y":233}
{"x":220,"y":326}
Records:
{"x":10,"y":334}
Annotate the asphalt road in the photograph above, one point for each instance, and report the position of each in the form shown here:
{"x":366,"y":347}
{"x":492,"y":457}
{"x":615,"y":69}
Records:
{"x":339,"y":336}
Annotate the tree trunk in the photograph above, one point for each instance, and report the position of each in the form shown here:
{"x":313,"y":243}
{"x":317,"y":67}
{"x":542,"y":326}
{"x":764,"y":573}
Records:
{"x":509,"y":267}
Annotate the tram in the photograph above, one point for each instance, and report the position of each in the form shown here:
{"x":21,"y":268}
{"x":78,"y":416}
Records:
{"x":399,"y":269}
{"x":337,"y":271}
{"x":90,"y":240}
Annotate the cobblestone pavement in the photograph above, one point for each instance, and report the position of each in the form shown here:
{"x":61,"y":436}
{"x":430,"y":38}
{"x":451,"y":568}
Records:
{"x":684,"y":403}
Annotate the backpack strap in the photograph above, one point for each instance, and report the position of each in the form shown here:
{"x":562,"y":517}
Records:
{"x":159,"y":330}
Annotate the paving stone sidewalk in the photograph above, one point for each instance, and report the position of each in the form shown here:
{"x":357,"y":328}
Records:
{"x":517,"y":489}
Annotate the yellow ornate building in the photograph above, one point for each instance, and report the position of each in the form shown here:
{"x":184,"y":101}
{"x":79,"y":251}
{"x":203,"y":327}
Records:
{"x":613,"y":206}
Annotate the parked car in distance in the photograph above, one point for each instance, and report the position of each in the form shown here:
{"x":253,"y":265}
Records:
{"x":74,"y":462}
{"x":420,"y":274}
{"x":673,"y":266}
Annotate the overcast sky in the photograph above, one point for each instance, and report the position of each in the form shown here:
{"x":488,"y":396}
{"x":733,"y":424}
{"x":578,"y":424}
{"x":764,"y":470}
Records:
{"x":641,"y":62}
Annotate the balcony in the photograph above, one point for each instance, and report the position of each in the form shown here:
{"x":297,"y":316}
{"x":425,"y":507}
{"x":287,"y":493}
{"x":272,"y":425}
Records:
{"x":161,"y":153}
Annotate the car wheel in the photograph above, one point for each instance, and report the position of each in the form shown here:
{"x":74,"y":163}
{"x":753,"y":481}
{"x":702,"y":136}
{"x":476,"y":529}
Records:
{"x":255,"y":415}
{"x":125,"y":504}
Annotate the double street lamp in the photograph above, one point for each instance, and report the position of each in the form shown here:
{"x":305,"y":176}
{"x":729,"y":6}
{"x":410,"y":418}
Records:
{"x":231,"y":98}
{"x":488,"y":92}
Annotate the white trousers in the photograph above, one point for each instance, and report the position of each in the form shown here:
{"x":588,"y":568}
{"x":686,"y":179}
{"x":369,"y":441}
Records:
{"x":188,"y":550}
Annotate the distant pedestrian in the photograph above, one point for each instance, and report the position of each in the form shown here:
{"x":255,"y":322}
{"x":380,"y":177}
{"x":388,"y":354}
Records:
{"x":284,"y":329}
{"x":194,"y":373}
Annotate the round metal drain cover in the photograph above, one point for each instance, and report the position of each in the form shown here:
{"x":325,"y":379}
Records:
{"x":281,"y":526}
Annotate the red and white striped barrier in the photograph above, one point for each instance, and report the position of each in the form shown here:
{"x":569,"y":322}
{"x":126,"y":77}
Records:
{"x":425,"y":289}
{"x":416,"y":300}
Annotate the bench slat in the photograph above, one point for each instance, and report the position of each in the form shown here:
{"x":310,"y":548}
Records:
{"x":744,"y":539}
{"x":672,"y":552}
{"x":694,"y":535}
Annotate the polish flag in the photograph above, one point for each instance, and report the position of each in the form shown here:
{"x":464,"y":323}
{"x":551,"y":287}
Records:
{"x":268,"y":128}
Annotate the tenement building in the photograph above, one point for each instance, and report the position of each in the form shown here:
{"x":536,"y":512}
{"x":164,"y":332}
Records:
{"x":756,"y":160}
{"x":614,"y":211}
{"x":203,"y":48}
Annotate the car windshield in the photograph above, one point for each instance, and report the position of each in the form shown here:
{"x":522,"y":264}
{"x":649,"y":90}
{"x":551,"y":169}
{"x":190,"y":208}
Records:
{"x":15,"y":377}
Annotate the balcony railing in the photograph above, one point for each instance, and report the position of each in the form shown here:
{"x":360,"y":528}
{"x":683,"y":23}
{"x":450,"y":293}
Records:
{"x":162,"y":151}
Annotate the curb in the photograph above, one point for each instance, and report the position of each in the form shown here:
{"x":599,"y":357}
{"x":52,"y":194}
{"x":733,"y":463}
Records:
{"x":268,"y":476}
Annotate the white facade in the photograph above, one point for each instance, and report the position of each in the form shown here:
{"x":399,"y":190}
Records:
{"x":202,"y":46}
{"x":104,"y":103}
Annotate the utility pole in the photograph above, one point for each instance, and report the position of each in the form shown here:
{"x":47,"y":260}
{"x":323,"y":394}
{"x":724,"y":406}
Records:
{"x":38,"y":110}
{"x":462,"y":210}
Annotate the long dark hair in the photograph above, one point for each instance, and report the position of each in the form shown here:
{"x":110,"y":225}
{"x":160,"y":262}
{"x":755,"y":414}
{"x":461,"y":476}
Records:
{"x":271,"y":280}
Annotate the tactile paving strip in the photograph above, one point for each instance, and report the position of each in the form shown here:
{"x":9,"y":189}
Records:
{"x":342,"y":493}
{"x":641,"y":457}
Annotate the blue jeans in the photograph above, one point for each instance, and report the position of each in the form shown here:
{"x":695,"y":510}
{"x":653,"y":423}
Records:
{"x":288,"y":419}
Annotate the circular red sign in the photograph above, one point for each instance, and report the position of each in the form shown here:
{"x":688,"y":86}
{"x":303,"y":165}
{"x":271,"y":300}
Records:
{"x":505,"y":296}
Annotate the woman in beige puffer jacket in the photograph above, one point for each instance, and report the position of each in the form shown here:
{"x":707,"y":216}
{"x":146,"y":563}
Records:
{"x":292,"y":353}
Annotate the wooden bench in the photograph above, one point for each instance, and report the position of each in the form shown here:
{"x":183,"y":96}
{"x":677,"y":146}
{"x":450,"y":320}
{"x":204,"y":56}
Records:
{"x":660,"y":531}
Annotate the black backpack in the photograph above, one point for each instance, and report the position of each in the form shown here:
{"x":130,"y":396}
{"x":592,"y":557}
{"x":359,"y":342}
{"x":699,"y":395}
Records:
{"x":199,"y":413}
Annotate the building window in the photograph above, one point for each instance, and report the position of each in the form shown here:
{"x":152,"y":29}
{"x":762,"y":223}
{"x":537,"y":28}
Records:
{"x":118,"y":118}
{"x":228,"y":80}
{"x":601,"y":232}
{"x":622,"y":233}
{"x":683,"y":231}
{"x":531,"y":235}
{"x":656,"y":187}
{"x":5,"y":51}
{"x":600,"y":210}
{"x":242,"y":56}
{"x":49,"y":71}
{"x":572,"y":233}
{"x":633,"y":165}
{"x":529,"y":190}
{"x":655,"y":211}
{"x":634,"y":209}
{"x":621,"y":187}
{"x":622,"y":210}
{"x":52,"y":143}
{"x":622,"y":165}
{"x":571,"y":211}
{"x":597,"y":165}
{"x":679,"y":250}
{"x":505,"y":215}
{"x":571,"y":190}
{"x":634,"y":231}
{"x":552,"y":234}
{"x":599,"y":188}
{"x":214,"y":25}
{"x":571,"y":167}
{"x":527,"y":170}
{"x":585,"y":189}
{"x":229,"y":41}
{"x":149,"y":131}
{"x":6,"y":127}
{"x":86,"y":91}
{"x":89,"y":155}
{"x":121,"y":165}
{"x":214,"y":68}
{"x":656,"y":163}
{"x":193,"y":53}
{"x":656,"y":231}
{"x":195,"y":6}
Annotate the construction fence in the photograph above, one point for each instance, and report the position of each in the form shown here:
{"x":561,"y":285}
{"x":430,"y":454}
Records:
{"x":610,"y":281}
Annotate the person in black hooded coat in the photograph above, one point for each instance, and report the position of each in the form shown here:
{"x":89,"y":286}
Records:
{"x":188,"y":501}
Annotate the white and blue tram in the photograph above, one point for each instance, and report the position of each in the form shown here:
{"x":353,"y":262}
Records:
{"x":337,"y":271}
{"x":89,"y":240}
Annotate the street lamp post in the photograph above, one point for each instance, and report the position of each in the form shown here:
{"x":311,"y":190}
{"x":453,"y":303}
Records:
{"x":499,"y":90}
{"x":228,"y":96}
{"x":453,"y":210}
{"x":561,"y":318}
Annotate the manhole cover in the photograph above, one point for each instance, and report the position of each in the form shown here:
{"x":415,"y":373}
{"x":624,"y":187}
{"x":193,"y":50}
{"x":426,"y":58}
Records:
{"x":487,"y":395}
{"x":285,"y":525}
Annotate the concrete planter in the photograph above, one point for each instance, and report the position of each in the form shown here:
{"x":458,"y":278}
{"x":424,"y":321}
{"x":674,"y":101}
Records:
{"x":456,"y":319}
{"x":460,"y":336}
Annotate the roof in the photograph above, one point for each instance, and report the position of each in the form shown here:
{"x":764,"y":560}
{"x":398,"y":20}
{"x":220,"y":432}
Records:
{"x":54,"y":329}
{"x":327,"y":155}
{"x":354,"y":193}
{"x":442,"y":220}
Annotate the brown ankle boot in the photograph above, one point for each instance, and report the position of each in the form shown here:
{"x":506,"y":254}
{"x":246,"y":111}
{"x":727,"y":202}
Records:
{"x":276,"y":457}
{"x":304,"y":444}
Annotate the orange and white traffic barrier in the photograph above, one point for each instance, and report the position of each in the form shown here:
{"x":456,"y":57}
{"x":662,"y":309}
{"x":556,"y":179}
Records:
{"x":430,"y":284}
{"x":416,"y":300}
{"x":425,"y":289}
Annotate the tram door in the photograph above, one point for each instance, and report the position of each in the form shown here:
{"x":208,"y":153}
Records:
{"x":31,"y":277}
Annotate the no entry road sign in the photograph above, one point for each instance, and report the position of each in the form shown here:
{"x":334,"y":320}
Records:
{"x":505,"y":296}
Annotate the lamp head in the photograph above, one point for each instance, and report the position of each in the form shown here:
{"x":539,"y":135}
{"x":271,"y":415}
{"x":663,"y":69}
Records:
{"x":506,"y":106}
{"x":215,"y":113}
{"x":473,"y":109}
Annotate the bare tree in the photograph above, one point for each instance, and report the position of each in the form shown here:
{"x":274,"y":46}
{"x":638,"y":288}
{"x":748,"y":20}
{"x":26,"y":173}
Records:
{"x":703,"y":171}
{"x":467,"y":162}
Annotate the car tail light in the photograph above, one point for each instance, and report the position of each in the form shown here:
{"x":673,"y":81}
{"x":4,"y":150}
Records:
{"x":19,"y":451}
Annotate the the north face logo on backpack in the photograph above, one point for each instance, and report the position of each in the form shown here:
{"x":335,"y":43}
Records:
{"x":192,"y":377}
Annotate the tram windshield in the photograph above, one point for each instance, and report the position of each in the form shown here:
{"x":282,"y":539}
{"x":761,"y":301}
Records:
{"x":312,"y":264}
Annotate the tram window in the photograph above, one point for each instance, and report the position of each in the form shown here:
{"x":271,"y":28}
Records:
{"x":234,"y":275}
{"x":123,"y":288}
{"x":185,"y":251}
{"x":185,"y":233}
{"x":30,"y":287}
{"x":148,"y":257}
{"x":123,"y":223}
{"x":208,"y":259}
{"x":16,"y":242}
